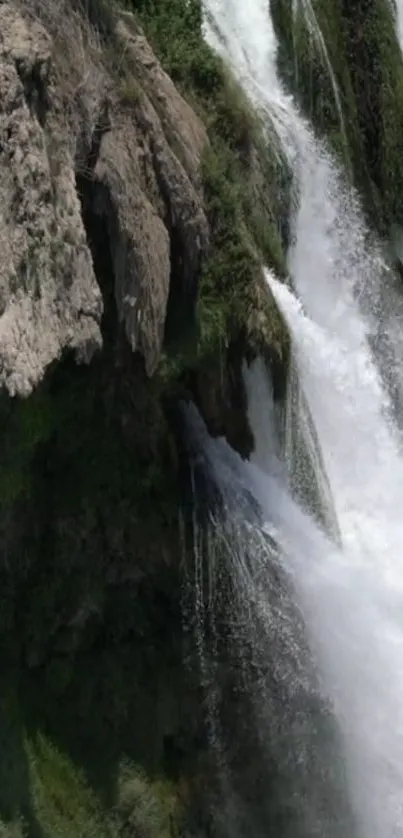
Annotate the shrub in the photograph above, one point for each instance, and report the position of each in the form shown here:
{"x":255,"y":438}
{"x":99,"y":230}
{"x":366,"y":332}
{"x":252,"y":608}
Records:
{"x":144,"y":808}
{"x":63,"y":804}
{"x":12,"y":829}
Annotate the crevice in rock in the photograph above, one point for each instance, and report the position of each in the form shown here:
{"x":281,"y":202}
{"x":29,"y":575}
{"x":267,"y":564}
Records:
{"x":35,"y":89}
{"x":96,"y":228}
{"x":91,"y":153}
{"x":220,"y":396}
{"x":184,"y":273}
{"x":100,"y":13}
{"x":180,"y":321}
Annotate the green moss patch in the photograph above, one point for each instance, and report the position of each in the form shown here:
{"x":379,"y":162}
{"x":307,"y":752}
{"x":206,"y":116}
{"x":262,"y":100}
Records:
{"x":246,"y":183}
{"x":344,"y":63}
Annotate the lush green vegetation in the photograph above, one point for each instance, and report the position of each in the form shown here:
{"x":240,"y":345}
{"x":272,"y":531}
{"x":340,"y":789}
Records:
{"x":350,"y":80}
{"x":360,"y":109}
{"x":45,"y":795}
{"x":246,"y":184}
{"x":307,"y":63}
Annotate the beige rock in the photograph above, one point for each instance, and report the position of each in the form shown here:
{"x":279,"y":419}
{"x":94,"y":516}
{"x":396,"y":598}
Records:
{"x":148,"y":199}
{"x":147,"y":183}
{"x":49,"y":297}
{"x":182,"y":127}
{"x":62,"y":114}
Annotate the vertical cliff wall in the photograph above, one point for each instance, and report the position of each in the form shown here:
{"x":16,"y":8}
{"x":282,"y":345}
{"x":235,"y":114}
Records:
{"x":137,"y":208}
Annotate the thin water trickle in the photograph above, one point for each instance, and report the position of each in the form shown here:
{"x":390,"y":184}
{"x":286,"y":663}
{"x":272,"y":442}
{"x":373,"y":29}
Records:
{"x":351,"y":597}
{"x":306,"y":8}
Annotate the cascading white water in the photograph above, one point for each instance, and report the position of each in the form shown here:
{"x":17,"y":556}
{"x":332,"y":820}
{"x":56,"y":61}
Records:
{"x":352,"y":598}
{"x":399,"y":17}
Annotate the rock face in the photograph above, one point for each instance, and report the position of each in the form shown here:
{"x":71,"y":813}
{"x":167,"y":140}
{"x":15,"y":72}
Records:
{"x":78,"y":148}
{"x":151,"y":198}
{"x":49,"y":297}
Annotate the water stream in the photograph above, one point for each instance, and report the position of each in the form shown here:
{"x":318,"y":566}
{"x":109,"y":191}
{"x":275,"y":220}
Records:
{"x":350,"y":594}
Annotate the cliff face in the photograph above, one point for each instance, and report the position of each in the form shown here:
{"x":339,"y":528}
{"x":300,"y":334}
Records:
{"x":133,"y":165}
{"x":133,"y":228}
{"x":140,"y":197}
{"x":50,"y":298}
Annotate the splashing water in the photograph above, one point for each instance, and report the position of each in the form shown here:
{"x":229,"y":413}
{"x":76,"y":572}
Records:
{"x":280,"y":763}
{"x":351,"y":597}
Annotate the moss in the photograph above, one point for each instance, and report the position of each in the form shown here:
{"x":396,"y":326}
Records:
{"x":380,"y":100}
{"x":344,"y":62}
{"x":130,"y":91}
{"x":228,"y":300}
{"x":86,"y":755}
{"x":24,"y":425}
{"x":13,"y":829}
{"x":311,"y":49}
{"x":65,"y":806}
{"x":246,"y":182}
{"x":174,"y":29}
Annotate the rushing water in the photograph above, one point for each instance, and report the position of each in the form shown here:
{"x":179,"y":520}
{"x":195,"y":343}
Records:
{"x":399,"y":16}
{"x":350,"y":594}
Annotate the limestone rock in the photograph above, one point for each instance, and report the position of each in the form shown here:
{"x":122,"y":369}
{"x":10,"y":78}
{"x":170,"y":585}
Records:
{"x":183,"y":129}
{"x":49,"y":297}
{"x":151,"y":206}
{"x":146,"y":182}
{"x":65,"y":129}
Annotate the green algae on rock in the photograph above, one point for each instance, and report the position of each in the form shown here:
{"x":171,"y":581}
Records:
{"x":344,"y":63}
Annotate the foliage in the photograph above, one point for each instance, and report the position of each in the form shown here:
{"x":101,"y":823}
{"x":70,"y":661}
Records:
{"x":343,"y":61}
{"x":65,"y":806}
{"x":227,"y":299}
{"x":385,"y":100}
{"x":145,"y":808}
{"x":62,"y":802}
{"x":52,"y":797}
{"x":174,"y":29}
{"x":12,"y":829}
{"x":245,"y":177}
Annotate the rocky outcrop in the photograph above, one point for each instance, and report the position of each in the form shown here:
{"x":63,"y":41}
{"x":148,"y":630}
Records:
{"x":183,"y":129}
{"x":152,"y":201}
{"x":49,"y":297}
{"x":78,"y":147}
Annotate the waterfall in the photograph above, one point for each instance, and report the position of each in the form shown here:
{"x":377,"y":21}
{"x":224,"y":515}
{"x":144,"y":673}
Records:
{"x":398,"y":9}
{"x":280,"y":767}
{"x":354,"y":599}
{"x":306,"y":9}
{"x":294,"y":441}
{"x":350,"y":594}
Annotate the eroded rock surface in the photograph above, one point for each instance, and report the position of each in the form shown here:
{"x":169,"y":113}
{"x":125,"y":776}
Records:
{"x":70,"y":139}
{"x":49,"y":297}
